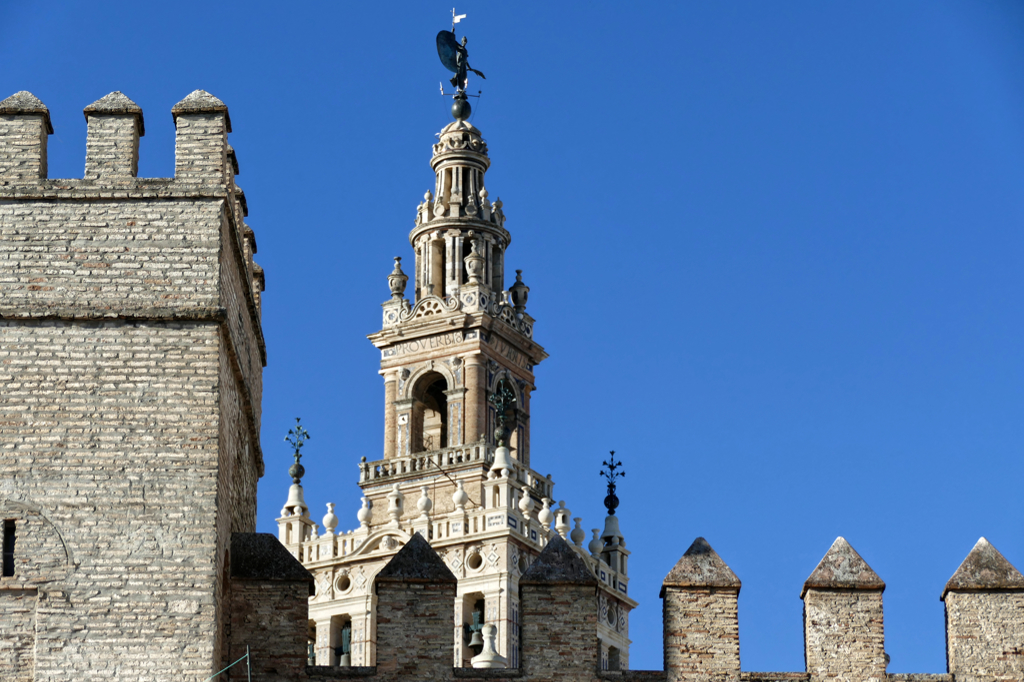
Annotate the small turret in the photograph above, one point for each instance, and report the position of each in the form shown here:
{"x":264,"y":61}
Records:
{"x":614,"y":552}
{"x":294,"y":525}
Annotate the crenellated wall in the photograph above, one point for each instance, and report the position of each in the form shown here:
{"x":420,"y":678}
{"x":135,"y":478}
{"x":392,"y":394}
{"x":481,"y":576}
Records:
{"x":131,"y":358}
{"x":844,"y":637}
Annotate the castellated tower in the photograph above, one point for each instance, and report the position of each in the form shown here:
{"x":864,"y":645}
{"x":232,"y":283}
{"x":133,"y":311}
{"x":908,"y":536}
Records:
{"x":457,"y":361}
{"x":131,"y":360}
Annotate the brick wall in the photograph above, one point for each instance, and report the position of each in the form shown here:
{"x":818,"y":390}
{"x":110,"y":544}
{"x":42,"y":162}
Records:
{"x":131,"y":359}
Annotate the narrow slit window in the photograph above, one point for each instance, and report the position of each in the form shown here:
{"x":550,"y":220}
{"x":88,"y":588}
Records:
{"x":8,"y":569}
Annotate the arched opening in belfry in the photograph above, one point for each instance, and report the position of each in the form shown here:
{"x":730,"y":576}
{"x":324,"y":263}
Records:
{"x":430,"y":413}
{"x":614,"y":658}
{"x":435,"y":286}
{"x":496,"y":269}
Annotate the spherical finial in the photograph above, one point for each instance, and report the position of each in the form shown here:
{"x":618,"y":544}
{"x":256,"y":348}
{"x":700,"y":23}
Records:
{"x":460,"y":108}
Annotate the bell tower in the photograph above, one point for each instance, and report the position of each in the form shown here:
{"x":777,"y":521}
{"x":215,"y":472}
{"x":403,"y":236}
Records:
{"x":457,"y":356}
{"x":444,"y":352}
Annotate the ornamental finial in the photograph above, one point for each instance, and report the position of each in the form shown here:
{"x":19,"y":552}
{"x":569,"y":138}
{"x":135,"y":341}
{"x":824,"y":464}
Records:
{"x":611,"y":501}
{"x":297,"y":437}
{"x":455,"y":58}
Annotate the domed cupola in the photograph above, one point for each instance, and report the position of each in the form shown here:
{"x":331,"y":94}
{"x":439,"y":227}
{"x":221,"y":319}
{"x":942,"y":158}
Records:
{"x":458,"y":215}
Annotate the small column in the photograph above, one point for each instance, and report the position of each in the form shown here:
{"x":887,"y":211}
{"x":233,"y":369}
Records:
{"x":403,"y":427}
{"x":390,"y":416}
{"x":456,"y":432}
{"x":201,"y":141}
{"x":415,"y":611}
{"x":476,"y":398}
{"x":324,"y":637}
{"x":844,"y":638}
{"x":985,"y":618}
{"x":115,"y":125}
{"x":24,"y":126}
{"x":700,"y":617}
{"x":558,"y":594}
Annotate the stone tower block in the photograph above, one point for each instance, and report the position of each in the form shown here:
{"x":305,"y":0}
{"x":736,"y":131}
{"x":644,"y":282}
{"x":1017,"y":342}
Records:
{"x":700,"y":617}
{"x":131,"y":360}
{"x":844,"y":637}
{"x":112,"y":141}
{"x":24,"y":126}
{"x":985,"y":618}
{"x":559,"y":600}
{"x":415,"y":611}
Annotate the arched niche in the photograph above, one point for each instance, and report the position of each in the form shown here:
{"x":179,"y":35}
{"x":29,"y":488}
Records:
{"x":429,"y":412}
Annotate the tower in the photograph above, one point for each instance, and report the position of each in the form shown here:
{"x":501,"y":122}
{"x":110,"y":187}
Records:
{"x":457,"y":359}
{"x":132,"y":356}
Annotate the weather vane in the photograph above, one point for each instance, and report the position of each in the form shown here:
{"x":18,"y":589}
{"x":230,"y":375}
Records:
{"x":297,"y":437}
{"x":611,"y":501}
{"x":455,"y":58}
{"x":504,"y":401}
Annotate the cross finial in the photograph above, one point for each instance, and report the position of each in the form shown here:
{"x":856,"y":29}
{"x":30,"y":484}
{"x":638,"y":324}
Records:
{"x":611,"y":502}
{"x":297,"y":437}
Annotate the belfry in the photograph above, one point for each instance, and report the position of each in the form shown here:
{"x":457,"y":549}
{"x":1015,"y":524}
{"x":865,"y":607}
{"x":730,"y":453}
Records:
{"x":457,"y":358}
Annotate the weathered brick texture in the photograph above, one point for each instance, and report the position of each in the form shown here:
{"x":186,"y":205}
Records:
{"x":844,"y":637}
{"x":131,"y":359}
{"x":415,"y":612}
{"x":17,"y":634}
{"x":702,"y":637}
{"x":985,"y":617}
{"x":112,"y":142}
{"x":24,"y":126}
{"x":985,"y":635}
{"x":700,"y":617}
{"x":268,"y":602}
{"x":559,"y":602}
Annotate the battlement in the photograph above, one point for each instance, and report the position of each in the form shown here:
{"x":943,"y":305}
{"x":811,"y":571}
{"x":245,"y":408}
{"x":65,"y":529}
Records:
{"x":133,"y":356}
{"x":843,"y":621}
{"x":113,"y":249}
{"x":115,"y":124}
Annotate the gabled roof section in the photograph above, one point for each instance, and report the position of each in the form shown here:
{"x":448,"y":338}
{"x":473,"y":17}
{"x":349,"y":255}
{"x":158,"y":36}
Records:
{"x":558,"y":564}
{"x":842,"y":569}
{"x":985,"y":569}
{"x":416,"y":562}
{"x":116,"y":103}
{"x":200,"y":102}
{"x":24,"y":102}
{"x":701,"y":566}
{"x":260,"y":556}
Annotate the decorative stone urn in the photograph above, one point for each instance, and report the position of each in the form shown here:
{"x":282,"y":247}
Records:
{"x":364,"y":513}
{"x":397,"y":280}
{"x":518,"y":293}
{"x":330,"y":519}
{"x":460,"y":497}
{"x":424,"y":504}
{"x":474,"y":261}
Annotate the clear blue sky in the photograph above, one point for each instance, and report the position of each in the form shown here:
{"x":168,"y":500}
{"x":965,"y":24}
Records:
{"x":775,"y":254}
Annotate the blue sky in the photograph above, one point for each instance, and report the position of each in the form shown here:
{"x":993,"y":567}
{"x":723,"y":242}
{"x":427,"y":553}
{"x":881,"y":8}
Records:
{"x":774,"y":251}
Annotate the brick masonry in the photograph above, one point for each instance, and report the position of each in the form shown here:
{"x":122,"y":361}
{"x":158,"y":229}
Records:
{"x":131,"y":359}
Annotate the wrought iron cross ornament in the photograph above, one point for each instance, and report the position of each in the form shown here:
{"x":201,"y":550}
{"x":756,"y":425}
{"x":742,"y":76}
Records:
{"x":297,"y":437}
{"x":611,"y":501}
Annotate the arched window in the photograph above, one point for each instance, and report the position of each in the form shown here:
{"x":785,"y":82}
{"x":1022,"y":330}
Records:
{"x":430,"y":413}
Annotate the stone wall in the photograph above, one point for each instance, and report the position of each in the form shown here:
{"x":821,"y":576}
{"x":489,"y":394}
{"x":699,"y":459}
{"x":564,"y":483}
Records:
{"x":131,"y":357}
{"x":843,"y":609}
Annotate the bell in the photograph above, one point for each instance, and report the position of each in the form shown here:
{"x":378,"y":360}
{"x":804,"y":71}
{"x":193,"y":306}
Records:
{"x":476,"y":640}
